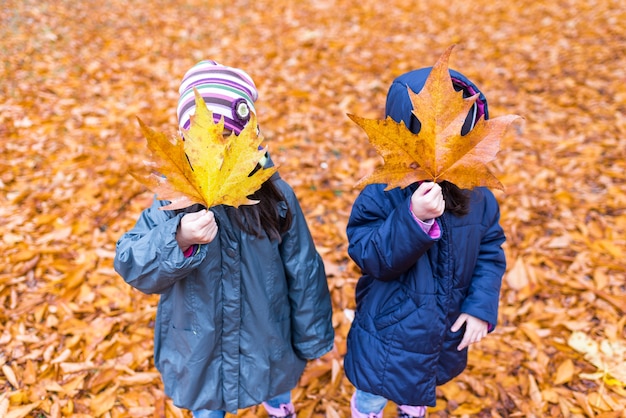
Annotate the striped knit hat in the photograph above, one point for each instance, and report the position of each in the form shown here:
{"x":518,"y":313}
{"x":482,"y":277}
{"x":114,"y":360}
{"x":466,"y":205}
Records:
{"x":228,"y":92}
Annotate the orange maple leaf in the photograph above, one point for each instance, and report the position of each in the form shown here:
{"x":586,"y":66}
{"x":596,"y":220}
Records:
{"x":438,"y":152}
{"x":206,"y":167}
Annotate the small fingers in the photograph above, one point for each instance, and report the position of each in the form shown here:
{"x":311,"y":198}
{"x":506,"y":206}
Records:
{"x":425,"y":187}
{"x":468,"y":338}
{"x":464,"y":343}
{"x":213,"y":234}
{"x":459,"y":322}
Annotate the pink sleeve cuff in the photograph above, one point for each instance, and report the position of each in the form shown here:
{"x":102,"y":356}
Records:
{"x":430,"y":227}
{"x":190,"y":251}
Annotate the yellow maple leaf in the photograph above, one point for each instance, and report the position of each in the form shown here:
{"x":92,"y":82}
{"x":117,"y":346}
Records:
{"x":438,"y":152}
{"x":206,"y":167}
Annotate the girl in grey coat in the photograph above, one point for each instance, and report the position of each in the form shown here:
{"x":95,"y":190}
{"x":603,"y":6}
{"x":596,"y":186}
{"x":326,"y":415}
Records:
{"x":244,"y":299}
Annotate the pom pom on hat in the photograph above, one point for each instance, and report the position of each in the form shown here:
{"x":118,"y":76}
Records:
{"x":228,"y":92}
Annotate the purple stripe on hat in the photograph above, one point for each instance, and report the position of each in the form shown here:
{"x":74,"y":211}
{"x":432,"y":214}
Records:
{"x":222,"y":91}
{"x":229,"y":123}
{"x":218,"y":92}
{"x":218,"y":70}
{"x":215,"y":83}
{"x":217,"y":103}
{"x":223,"y":82}
{"x":192,"y":104}
{"x":213,"y":75}
{"x":219,"y":107}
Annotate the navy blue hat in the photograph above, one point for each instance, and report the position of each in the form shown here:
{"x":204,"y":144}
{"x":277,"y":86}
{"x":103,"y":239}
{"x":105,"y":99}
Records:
{"x":400,"y":108}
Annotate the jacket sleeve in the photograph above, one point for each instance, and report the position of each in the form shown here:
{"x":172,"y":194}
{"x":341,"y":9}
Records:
{"x":484,"y":292}
{"x":148,"y":256}
{"x":311,"y":311}
{"x":384,"y":238}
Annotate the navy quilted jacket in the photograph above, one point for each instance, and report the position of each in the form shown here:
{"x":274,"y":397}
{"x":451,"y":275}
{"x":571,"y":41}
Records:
{"x":414,"y":287}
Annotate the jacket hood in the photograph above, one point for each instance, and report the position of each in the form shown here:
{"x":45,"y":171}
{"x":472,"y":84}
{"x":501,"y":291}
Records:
{"x":400,"y":108}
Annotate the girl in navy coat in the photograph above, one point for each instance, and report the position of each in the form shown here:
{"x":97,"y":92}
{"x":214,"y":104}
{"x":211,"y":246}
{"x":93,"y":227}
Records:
{"x":432,"y":265}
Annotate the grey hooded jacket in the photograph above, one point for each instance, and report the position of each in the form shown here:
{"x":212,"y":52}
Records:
{"x":236,"y":321}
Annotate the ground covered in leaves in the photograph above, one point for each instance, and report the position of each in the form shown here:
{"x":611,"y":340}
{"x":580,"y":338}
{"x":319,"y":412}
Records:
{"x":75,"y":340}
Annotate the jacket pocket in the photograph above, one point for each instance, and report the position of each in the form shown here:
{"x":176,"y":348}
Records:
{"x":185,"y":353}
{"x":183,"y":300}
{"x":396,"y":312}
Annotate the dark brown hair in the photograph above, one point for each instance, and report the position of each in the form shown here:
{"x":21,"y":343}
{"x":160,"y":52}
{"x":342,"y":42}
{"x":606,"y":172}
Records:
{"x":457,"y":199}
{"x":265,"y":216}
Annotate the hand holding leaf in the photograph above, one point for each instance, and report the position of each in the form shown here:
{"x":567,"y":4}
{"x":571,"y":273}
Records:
{"x":427,"y":201}
{"x":438,"y":152}
{"x":196,"y":228}
{"x":206,"y":167}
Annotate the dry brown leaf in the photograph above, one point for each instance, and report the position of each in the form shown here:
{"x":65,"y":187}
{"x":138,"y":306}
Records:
{"x":331,"y":412}
{"x":104,"y":401}
{"x":4,"y":404}
{"x":141,"y":378}
{"x":565,"y":372}
{"x":22,"y":411}
{"x":10,"y":375}
{"x":438,"y":152}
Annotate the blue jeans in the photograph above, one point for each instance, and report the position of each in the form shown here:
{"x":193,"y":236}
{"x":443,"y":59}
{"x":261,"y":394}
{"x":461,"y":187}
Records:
{"x":275,"y":402}
{"x":368,"y":403}
{"x":207,"y":413}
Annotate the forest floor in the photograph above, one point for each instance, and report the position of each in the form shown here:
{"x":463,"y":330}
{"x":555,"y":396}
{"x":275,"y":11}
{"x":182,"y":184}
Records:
{"x":75,"y":340}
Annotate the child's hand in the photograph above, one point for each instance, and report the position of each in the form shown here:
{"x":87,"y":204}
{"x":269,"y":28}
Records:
{"x":196,"y":228}
{"x":427,"y":201}
{"x":475,"y":329}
